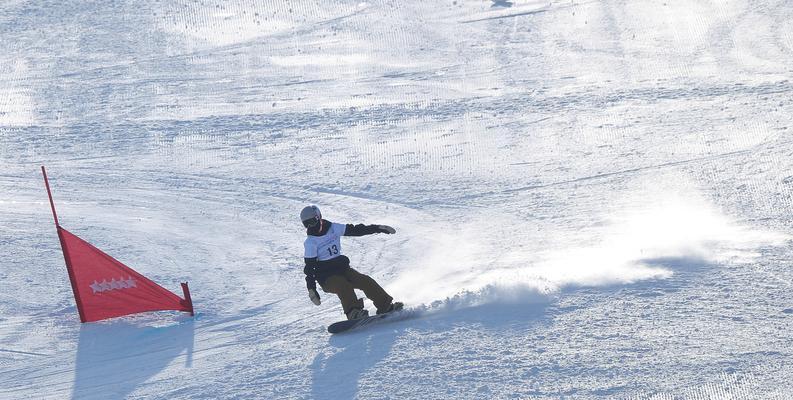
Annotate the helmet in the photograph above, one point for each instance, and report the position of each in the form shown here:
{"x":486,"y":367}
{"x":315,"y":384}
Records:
{"x":310,"y":216}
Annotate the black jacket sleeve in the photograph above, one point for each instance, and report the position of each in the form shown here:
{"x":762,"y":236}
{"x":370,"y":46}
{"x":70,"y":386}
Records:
{"x":361,"y":229}
{"x":310,"y":271}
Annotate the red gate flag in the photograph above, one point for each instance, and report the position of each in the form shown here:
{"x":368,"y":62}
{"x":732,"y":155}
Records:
{"x":104,"y":287}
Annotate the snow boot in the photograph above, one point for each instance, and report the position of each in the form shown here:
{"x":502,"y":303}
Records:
{"x":395,"y":306}
{"x":357,"y":313}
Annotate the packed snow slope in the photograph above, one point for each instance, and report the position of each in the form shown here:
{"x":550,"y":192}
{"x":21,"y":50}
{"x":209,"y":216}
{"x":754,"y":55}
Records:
{"x":592,"y":198}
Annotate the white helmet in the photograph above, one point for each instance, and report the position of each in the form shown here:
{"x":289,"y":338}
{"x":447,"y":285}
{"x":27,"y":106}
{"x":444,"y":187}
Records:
{"x":310,"y":216}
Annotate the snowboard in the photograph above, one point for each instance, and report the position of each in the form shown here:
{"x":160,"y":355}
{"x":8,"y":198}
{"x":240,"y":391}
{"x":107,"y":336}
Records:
{"x":348,"y":325}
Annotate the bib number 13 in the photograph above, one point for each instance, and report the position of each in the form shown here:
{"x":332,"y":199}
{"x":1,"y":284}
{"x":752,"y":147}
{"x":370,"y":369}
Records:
{"x":333,"y":250}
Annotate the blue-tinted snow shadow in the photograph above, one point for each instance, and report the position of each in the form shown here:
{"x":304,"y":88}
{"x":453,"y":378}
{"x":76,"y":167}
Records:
{"x":496,"y":316}
{"x":338,"y":370}
{"x":683,"y":268}
{"x":520,"y":307}
{"x":678,"y":264}
{"x":114,"y":358}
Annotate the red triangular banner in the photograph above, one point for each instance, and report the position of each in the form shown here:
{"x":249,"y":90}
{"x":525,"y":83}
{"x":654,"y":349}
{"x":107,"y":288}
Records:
{"x":105,"y":288}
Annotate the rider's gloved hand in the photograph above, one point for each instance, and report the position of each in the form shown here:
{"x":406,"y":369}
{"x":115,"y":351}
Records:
{"x":314,"y":296}
{"x":386,"y":229}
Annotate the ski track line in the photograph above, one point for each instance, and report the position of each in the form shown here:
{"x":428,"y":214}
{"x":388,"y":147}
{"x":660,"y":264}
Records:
{"x":610,"y":174}
{"x":199,"y":182}
{"x":362,"y":196}
{"x":512,"y":13}
{"x":26,"y":353}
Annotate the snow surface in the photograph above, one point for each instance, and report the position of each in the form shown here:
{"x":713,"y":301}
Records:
{"x":592,"y":198}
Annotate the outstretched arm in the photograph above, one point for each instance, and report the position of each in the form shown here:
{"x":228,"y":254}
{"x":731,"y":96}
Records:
{"x":361,"y":229}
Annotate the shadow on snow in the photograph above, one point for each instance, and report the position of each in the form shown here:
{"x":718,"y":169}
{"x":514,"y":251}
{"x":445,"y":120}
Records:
{"x":118,"y":357}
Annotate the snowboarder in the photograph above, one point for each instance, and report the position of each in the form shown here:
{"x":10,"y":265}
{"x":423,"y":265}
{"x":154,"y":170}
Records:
{"x":326,"y":264}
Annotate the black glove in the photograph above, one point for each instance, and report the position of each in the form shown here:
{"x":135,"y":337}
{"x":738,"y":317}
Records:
{"x":314,"y":296}
{"x":386,"y":229}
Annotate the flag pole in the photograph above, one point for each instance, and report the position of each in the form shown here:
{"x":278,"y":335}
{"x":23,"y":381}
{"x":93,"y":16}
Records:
{"x":69,"y":267}
{"x":187,"y":299}
{"x":49,"y":193}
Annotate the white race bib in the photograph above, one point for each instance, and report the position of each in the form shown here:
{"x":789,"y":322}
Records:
{"x":325,"y":247}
